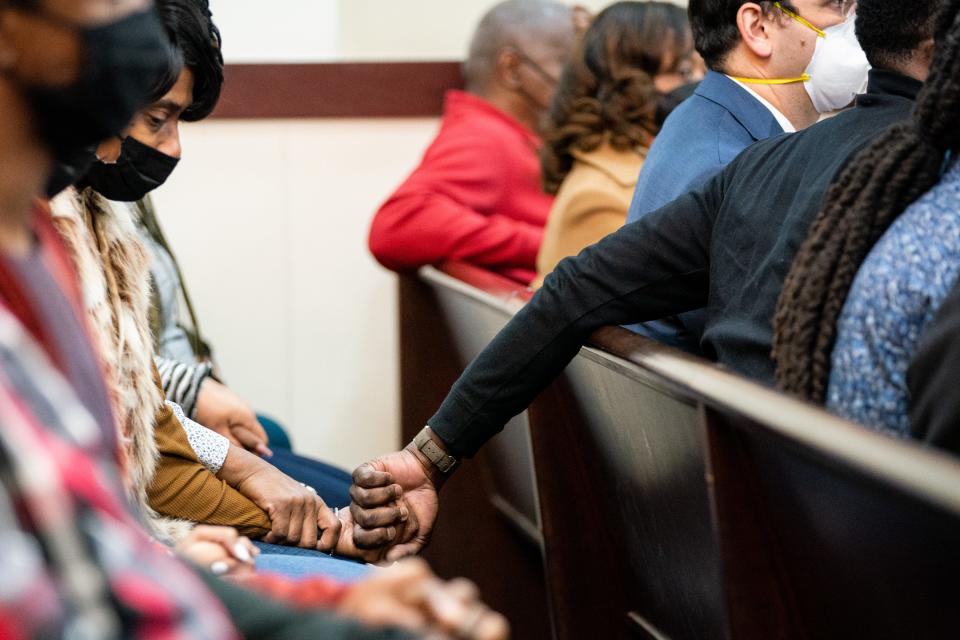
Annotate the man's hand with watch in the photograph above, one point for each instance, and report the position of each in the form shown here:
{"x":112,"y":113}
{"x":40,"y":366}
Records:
{"x":395,"y":498}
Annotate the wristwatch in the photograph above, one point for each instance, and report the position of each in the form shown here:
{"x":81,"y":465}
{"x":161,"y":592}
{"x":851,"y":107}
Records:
{"x":443,"y":461}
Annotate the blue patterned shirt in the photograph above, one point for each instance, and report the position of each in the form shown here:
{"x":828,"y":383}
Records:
{"x":893,"y":301}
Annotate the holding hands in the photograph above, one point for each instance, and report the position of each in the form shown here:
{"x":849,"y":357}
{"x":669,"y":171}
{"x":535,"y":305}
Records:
{"x":297,"y":515}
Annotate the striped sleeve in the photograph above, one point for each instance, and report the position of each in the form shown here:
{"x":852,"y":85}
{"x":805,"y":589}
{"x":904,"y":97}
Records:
{"x":181,"y":382}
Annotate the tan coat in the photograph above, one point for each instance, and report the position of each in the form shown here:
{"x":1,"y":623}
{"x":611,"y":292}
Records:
{"x":591,"y":204}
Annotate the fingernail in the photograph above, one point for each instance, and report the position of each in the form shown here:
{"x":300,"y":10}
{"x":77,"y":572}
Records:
{"x":404,"y":514}
{"x":241,"y":553}
{"x":219,"y":568}
{"x":391,"y":533}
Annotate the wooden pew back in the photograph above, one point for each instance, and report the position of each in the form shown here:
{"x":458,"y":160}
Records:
{"x":679,"y":501}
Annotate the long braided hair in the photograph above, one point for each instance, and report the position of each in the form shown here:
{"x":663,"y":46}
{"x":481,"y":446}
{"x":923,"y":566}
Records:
{"x":904,"y":163}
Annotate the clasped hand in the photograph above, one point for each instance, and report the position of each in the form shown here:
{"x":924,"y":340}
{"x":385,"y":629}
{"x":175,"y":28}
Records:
{"x":394,"y":505}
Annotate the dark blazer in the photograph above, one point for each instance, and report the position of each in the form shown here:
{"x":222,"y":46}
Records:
{"x":727,"y":246}
{"x":700,"y":138}
{"x":932,"y":380}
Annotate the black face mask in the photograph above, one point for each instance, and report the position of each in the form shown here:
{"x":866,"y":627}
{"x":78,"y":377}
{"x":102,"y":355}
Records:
{"x":139,"y":170}
{"x":122,"y":63}
{"x":667,"y":102}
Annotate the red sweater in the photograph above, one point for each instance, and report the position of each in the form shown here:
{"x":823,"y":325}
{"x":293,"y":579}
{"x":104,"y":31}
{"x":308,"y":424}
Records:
{"x":476,"y":197}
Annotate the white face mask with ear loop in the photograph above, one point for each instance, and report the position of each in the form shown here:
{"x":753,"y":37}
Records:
{"x":839,"y":68}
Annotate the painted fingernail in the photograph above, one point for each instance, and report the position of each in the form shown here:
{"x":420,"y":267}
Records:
{"x":241,"y":553}
{"x":219,"y":568}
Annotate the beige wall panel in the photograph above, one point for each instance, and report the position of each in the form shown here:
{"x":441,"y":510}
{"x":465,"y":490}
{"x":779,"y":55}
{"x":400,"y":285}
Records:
{"x":415,"y":29}
{"x":325,"y":30}
{"x":269,"y":219}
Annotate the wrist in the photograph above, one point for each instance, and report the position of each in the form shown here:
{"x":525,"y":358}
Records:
{"x":433,"y":455}
{"x":238,"y":467}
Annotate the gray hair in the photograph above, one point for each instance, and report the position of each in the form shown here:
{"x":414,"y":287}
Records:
{"x":505,"y":25}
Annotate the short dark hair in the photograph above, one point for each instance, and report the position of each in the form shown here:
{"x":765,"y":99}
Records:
{"x":890,"y":31}
{"x":197,"y":43}
{"x":606,"y":91}
{"x":714,"y":26}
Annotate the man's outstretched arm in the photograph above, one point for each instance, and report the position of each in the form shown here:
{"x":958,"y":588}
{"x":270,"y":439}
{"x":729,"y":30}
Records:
{"x":655,"y":267}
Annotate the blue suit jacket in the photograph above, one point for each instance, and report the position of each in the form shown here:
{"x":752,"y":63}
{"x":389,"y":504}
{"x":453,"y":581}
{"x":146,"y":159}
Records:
{"x":700,"y":138}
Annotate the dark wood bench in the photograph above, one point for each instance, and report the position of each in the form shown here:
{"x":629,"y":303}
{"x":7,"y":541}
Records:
{"x":493,"y":536}
{"x":674,"y":500}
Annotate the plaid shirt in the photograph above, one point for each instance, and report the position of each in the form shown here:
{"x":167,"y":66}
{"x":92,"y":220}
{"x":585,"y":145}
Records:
{"x":74,"y":563}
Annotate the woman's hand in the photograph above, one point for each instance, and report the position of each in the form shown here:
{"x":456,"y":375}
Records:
{"x":409,"y":595}
{"x":221,"y":550}
{"x":221,"y":410}
{"x":298,"y":516}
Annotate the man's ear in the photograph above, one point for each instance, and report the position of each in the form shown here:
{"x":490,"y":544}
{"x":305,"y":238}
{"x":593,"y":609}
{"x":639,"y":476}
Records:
{"x":508,"y":69}
{"x":752,"y":23}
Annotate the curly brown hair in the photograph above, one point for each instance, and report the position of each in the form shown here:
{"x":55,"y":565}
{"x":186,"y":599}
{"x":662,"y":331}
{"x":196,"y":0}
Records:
{"x":606,"y":92}
{"x":871,"y":192}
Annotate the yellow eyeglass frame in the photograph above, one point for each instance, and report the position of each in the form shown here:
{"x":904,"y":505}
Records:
{"x":796,"y":16}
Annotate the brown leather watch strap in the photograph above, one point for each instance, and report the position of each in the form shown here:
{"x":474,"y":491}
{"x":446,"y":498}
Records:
{"x":443,"y":461}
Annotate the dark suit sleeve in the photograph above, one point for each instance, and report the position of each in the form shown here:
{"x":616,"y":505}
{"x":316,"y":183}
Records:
{"x":655,"y":267}
{"x":932,"y":380}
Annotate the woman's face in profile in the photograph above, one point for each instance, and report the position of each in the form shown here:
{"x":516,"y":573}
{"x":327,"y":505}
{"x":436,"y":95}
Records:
{"x":158,"y":124}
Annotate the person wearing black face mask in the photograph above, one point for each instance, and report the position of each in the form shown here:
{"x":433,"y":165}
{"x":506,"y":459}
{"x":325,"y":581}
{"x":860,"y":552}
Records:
{"x":77,"y":562}
{"x":97,"y":220}
{"x":75,"y":541}
{"x":603,"y":120}
{"x":122,"y":60}
{"x":138,"y":170}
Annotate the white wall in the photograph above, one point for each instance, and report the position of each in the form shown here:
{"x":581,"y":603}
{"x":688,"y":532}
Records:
{"x":269,"y":220}
{"x":413,"y":29}
{"x":278,"y":30}
{"x":322,"y":30}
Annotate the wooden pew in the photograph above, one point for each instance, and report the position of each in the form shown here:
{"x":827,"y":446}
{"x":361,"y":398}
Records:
{"x":491,"y":533}
{"x":679,"y":501}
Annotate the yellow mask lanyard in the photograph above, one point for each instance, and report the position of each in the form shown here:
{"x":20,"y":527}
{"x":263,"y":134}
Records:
{"x":780,"y":81}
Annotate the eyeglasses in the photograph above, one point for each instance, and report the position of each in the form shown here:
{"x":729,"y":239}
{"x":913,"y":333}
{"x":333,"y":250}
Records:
{"x":844,"y":7}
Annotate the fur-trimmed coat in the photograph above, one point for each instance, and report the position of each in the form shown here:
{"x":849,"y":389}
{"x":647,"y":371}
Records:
{"x":163,"y":468}
{"x":113,"y":268}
